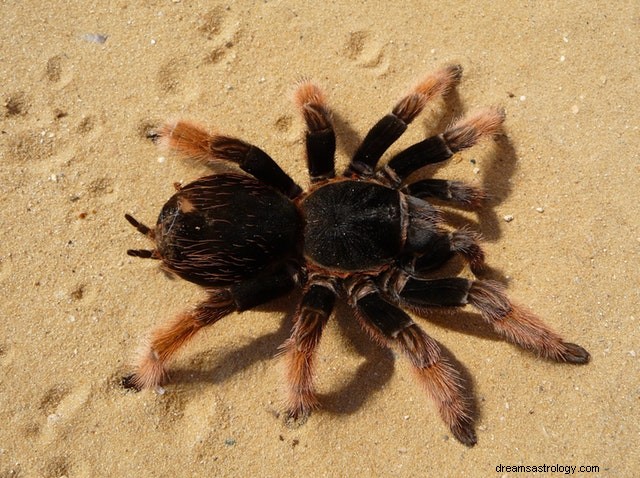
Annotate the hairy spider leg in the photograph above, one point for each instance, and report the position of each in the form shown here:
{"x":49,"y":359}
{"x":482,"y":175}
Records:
{"x":167,"y":339}
{"x":515,"y":323}
{"x":320,"y":136}
{"x":390,"y":326}
{"x":463,"y":134}
{"x":441,"y":248}
{"x":150,"y":367}
{"x":456,"y":192}
{"x":299,"y":349}
{"x":388,"y":129}
{"x":430,"y":244}
{"x":195,"y":142}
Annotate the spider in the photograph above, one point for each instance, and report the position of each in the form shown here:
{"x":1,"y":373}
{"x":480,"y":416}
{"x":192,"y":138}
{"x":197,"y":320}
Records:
{"x":370,"y":234}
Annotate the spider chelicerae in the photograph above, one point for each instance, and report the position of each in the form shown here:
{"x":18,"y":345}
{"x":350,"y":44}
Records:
{"x":369,"y":234}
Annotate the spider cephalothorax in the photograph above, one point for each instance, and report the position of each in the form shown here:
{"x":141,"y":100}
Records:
{"x":369,"y":234}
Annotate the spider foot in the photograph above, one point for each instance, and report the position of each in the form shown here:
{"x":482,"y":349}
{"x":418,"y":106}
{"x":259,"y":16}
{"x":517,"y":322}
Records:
{"x":129,"y":382}
{"x":296,"y":418}
{"x":465,"y":243}
{"x":464,"y":433}
{"x":520,"y":326}
{"x":573,"y":353}
{"x":471,"y":196}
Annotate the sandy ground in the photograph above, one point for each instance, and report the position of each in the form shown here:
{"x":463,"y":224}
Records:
{"x":81,"y":85}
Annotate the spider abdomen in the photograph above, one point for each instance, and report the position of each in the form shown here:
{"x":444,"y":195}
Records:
{"x":351,"y":225}
{"x":221,"y":229}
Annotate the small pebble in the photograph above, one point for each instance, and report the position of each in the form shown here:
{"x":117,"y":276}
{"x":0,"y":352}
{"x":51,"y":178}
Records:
{"x":522,"y":98}
{"x":54,"y":417}
{"x":540,"y":209}
{"x":575,"y":109}
{"x":94,"y":37}
{"x":508,"y":217}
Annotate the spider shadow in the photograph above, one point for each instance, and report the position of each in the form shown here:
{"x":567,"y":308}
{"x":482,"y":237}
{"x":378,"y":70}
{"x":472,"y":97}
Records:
{"x":217,"y":367}
{"x":369,"y":378}
{"x":347,"y":137}
{"x":380,"y":362}
{"x":496,"y":180}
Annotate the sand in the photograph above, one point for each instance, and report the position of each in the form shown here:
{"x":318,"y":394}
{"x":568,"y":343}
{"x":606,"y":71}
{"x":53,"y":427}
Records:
{"x":83,"y":82}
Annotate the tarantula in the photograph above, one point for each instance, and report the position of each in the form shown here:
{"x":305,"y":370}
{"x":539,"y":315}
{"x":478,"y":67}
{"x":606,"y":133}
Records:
{"x":369,"y":234}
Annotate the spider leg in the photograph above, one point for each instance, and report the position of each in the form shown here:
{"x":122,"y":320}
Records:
{"x":195,"y":142}
{"x":390,"y":326}
{"x":442,"y":246}
{"x":320,"y":137}
{"x":456,"y":192}
{"x":386,"y":131}
{"x":431,"y":243}
{"x":461,"y":135}
{"x":515,"y":323}
{"x":168,"y":338}
{"x":299,"y":349}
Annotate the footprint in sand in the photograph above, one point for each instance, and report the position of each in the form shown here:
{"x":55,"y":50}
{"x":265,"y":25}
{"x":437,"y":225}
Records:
{"x":288,"y":129}
{"x":362,"y":48}
{"x":56,"y":467}
{"x":52,"y":398}
{"x":283,"y":124}
{"x":86,"y":124}
{"x":54,"y":68}
{"x":28,"y":146}
{"x":56,"y":72}
{"x":169,"y":75}
{"x":59,"y":405}
{"x":100,"y":187}
{"x":210,"y":423}
{"x":220,"y":30}
{"x":23,"y":145}
{"x":217,"y":25}
{"x":212,"y":22}
{"x":16,"y":104}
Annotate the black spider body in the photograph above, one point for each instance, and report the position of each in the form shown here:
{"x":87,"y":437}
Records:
{"x":221,"y":229}
{"x":351,"y":225}
{"x":371,"y":235}
{"x":224,"y":228}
